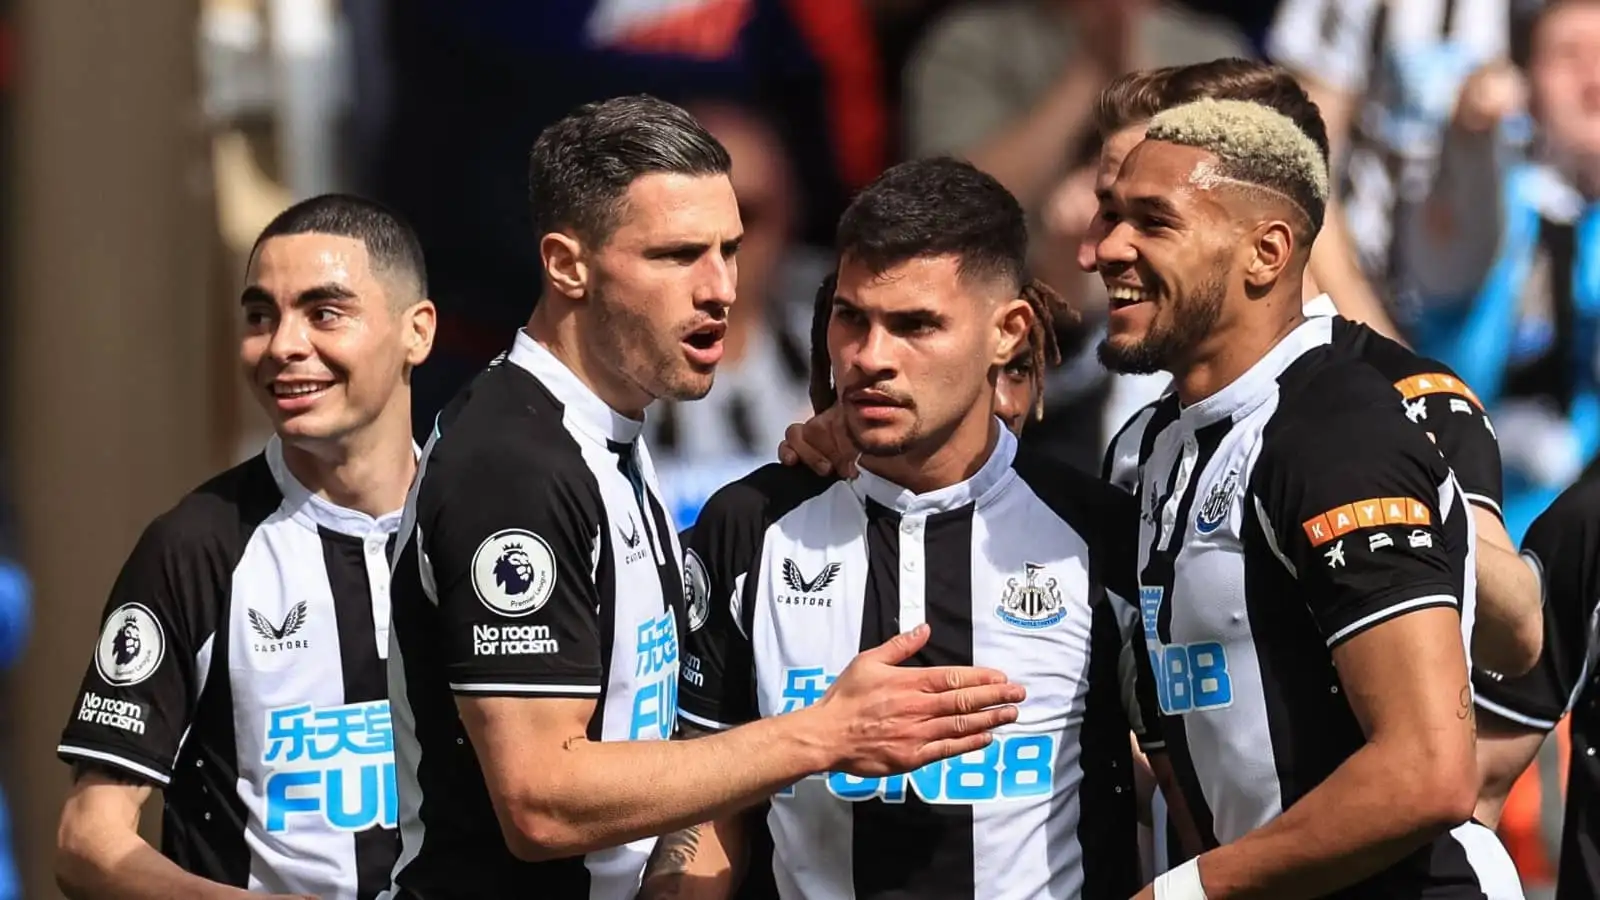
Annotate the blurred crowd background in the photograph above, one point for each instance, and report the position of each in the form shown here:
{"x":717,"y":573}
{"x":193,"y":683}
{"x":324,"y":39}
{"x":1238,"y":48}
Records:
{"x":145,"y":143}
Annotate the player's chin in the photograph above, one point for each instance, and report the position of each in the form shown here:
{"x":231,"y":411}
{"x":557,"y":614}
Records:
{"x":689,"y":383}
{"x":877,"y":437}
{"x":1127,"y":355}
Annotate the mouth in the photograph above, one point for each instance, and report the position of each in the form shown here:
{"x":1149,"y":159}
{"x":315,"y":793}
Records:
{"x":292,"y":396}
{"x":704,"y":344}
{"x":873,"y":403}
{"x":1122,"y":296}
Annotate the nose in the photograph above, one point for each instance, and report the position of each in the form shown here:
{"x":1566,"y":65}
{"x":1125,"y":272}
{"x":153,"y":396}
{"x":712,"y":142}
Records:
{"x":873,"y":355}
{"x":1115,"y":248}
{"x":720,"y":284}
{"x":291,"y":340}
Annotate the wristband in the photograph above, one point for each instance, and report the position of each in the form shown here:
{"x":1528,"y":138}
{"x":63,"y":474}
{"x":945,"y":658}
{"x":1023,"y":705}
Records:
{"x":1182,"y":883}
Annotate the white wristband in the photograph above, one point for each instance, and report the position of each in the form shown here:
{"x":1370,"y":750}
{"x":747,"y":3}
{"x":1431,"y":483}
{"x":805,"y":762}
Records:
{"x":1182,"y":883}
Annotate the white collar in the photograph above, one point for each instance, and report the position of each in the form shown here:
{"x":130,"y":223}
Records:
{"x":1248,"y":391}
{"x":316,"y":512}
{"x":1320,"y":305}
{"x":995,"y":473}
{"x":584,"y":407}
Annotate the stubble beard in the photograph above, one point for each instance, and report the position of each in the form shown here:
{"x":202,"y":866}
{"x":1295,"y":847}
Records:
{"x":1163,"y":349}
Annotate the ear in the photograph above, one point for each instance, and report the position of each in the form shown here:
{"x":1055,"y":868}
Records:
{"x":418,"y":324}
{"x":1013,"y":321}
{"x":561,"y":255}
{"x":1270,"y":252}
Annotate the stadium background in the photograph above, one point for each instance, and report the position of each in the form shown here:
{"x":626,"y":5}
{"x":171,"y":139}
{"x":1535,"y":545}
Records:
{"x":144,"y":143}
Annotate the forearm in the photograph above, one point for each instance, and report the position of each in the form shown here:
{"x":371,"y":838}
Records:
{"x":1178,"y":813}
{"x":1509,"y":631}
{"x":1374,"y":810}
{"x":1028,"y":155}
{"x":701,"y":862}
{"x":1451,"y":242}
{"x":124,"y":867}
{"x":602,"y":794}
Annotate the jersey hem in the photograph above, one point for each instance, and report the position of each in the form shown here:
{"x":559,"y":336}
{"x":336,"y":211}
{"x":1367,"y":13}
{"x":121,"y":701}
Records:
{"x":1512,"y":715}
{"x":1389,"y":612}
{"x":702,"y":721}
{"x":121,"y":762}
{"x":542,"y":690}
{"x":1484,"y":501}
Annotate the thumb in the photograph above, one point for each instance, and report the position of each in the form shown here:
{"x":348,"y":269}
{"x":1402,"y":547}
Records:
{"x":901,"y":647}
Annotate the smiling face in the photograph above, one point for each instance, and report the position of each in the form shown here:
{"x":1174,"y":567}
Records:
{"x":662,"y":284}
{"x":913,"y":348}
{"x":327,"y":342}
{"x":1165,"y":259}
{"x":1113,"y":151}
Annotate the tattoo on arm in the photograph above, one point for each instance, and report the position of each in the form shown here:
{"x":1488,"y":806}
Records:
{"x":1464,"y":711}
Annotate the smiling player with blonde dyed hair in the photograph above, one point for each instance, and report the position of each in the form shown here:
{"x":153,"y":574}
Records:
{"x":1304,"y":554}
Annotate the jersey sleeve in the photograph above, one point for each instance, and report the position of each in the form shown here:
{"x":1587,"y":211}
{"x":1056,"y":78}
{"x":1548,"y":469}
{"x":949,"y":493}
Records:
{"x":1446,"y":408}
{"x":717,"y":678}
{"x":147,"y":670}
{"x":511,"y":552}
{"x":1362,"y":509}
{"x":1563,"y":545}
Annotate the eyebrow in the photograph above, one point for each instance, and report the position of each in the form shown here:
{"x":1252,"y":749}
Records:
{"x":317,"y":294}
{"x":1154,"y":203}
{"x":697,"y":247}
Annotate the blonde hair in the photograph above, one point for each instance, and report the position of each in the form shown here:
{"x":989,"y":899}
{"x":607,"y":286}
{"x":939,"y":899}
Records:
{"x":1255,"y":145}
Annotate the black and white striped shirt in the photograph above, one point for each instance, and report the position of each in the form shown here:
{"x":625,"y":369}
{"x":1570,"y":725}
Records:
{"x":791,"y":575}
{"x":1285,"y":514}
{"x":535,"y":560}
{"x":240,"y":669}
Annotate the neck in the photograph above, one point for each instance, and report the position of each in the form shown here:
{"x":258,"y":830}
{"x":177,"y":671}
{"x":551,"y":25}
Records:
{"x":950,"y":462}
{"x":1237,"y":344}
{"x":559,"y":332}
{"x":369,"y":471}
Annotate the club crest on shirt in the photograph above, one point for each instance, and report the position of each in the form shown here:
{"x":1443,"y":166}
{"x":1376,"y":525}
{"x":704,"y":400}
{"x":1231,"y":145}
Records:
{"x":1215,"y":509}
{"x":1031,"y":604}
{"x":131,"y":646}
{"x":696,"y":590}
{"x":514,"y":572}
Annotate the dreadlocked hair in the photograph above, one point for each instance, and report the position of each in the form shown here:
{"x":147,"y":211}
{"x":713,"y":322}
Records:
{"x":823,"y":394}
{"x":1045,"y":351}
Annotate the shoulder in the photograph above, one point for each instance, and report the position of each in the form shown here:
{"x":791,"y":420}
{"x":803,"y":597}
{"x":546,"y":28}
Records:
{"x":1336,"y":412}
{"x":1406,"y":371}
{"x":765,"y":495}
{"x":217,"y":516}
{"x":503,"y":429}
{"x":1125,"y":450}
{"x":1086,"y":501}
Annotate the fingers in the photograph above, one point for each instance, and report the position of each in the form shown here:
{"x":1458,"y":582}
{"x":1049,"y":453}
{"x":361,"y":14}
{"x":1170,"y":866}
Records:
{"x":947,"y":728}
{"x":973,"y":699}
{"x":899,"y":648}
{"x":944,"y":749}
{"x":954,"y":678}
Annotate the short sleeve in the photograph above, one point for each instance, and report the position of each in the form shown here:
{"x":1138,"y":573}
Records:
{"x":1563,"y":545}
{"x":1362,"y":509}
{"x":1445,"y":407}
{"x":511,"y":553}
{"x":1329,"y":41}
{"x":717,"y":678}
{"x":146,"y":671}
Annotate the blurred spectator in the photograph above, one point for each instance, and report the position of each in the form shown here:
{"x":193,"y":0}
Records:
{"x":1385,"y":74}
{"x":15,"y":621}
{"x":1511,"y":244}
{"x":475,"y":81}
{"x":761,"y":383}
{"x":1011,"y":85}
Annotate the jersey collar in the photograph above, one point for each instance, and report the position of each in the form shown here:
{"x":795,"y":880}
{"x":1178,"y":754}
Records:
{"x":1320,"y":305}
{"x":585,"y":408}
{"x":1257,"y":383}
{"x":316,"y":512}
{"x":996,"y":471}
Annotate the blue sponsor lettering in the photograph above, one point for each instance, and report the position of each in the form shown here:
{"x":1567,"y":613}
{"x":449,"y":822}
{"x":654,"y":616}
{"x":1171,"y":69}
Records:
{"x":335,"y":764}
{"x":1191,"y":677}
{"x":655,"y":701}
{"x":1013,"y":767}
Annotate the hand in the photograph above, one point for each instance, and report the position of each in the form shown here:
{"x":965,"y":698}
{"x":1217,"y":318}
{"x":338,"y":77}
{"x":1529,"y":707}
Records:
{"x":1489,"y":95}
{"x":887,"y":719}
{"x":822,"y":444}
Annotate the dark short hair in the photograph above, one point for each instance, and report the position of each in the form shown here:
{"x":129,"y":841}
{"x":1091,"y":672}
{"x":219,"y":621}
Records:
{"x":1135,"y":97}
{"x":581,"y":166}
{"x":392,"y":246}
{"x":938,"y":206}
